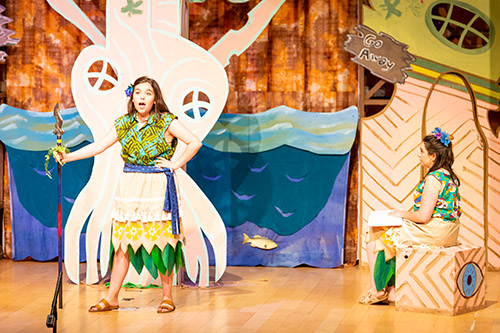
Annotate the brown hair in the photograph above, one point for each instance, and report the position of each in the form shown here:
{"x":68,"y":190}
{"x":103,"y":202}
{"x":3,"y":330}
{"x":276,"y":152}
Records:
{"x":159,"y":105}
{"x":444,"y":156}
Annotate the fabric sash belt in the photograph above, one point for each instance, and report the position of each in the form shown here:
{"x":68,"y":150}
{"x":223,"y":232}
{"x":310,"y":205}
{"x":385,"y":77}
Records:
{"x":170,"y":204}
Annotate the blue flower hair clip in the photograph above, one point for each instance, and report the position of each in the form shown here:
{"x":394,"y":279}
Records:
{"x":129,"y":90}
{"x":442,"y":136}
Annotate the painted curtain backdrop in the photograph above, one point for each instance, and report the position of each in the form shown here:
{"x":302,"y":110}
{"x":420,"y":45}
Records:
{"x":27,"y":136}
{"x":298,"y":60}
{"x":282,"y":175}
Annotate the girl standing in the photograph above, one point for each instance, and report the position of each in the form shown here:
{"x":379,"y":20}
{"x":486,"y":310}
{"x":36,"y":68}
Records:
{"x":146,"y":216}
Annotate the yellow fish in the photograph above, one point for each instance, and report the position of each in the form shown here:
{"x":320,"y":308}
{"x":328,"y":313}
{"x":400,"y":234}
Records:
{"x":259,"y":242}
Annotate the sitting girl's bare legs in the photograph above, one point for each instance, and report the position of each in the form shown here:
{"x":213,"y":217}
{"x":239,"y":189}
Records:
{"x":392,"y":293}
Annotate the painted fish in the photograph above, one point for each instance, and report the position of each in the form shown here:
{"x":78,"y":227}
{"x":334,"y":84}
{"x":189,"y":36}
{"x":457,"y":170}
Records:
{"x":259,"y":242}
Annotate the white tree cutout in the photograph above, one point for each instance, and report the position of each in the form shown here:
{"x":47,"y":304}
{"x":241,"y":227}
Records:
{"x":137,"y":45}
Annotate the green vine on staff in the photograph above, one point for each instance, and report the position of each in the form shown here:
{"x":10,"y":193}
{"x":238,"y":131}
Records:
{"x":54,"y":151}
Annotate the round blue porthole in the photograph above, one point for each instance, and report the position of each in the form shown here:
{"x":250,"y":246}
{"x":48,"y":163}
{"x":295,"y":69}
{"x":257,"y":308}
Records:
{"x":460,"y":26}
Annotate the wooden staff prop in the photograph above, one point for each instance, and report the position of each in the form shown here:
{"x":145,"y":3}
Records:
{"x":52,"y":317}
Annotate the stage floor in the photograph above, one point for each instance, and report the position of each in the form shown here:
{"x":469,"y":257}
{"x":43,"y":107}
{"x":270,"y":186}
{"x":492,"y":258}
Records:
{"x":247,"y":299}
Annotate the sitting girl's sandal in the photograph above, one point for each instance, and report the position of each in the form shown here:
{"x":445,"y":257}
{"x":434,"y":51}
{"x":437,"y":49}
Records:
{"x":369,"y":298}
{"x":166,"y":306}
{"x":99,"y":308}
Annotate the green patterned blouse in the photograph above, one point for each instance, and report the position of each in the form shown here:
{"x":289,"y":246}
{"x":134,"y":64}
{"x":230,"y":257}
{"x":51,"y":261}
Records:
{"x":448,"y":203}
{"x":142,"y":145}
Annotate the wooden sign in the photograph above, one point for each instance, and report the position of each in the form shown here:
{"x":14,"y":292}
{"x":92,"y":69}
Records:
{"x":384,"y":56}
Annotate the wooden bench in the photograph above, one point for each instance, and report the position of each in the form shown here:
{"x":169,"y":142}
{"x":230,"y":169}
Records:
{"x":440,"y":280}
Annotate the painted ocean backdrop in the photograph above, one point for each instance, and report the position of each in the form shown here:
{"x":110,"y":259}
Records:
{"x":282,"y":175}
{"x":27,"y":136}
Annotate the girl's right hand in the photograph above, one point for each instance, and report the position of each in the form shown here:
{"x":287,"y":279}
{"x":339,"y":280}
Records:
{"x":60,"y":157}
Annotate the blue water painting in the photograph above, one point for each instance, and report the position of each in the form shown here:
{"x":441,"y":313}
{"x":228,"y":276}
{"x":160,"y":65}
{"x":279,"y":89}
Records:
{"x":267,"y":198}
{"x":281,"y":174}
{"x":27,"y":137}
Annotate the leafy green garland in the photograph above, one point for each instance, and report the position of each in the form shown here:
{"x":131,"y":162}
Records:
{"x":54,"y":152}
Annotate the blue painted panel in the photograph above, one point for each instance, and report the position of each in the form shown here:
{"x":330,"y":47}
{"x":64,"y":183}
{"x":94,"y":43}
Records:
{"x":281,"y":174}
{"x":34,"y":202}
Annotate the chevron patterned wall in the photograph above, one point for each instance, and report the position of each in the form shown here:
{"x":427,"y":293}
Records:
{"x":390,"y":170}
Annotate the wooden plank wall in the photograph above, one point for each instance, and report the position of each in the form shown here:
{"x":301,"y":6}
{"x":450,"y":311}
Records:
{"x":39,"y":66}
{"x":298,"y":61}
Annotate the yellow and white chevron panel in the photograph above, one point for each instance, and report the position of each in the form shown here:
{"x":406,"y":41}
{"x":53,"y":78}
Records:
{"x":446,"y":281}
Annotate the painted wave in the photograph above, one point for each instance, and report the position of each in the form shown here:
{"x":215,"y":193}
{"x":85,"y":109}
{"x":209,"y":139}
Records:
{"x":320,"y":133}
{"x":32,"y":238}
{"x":320,"y":243}
{"x":282,"y":189}
{"x":29,"y":130}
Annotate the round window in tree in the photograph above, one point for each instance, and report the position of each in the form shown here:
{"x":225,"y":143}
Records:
{"x":460,"y":26}
{"x":102,"y":75}
{"x":196,"y":104}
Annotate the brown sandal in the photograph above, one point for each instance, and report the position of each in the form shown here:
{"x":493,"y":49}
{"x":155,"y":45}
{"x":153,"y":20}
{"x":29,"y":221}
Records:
{"x":106,"y":307}
{"x":370,"y":299}
{"x":167,"y":305}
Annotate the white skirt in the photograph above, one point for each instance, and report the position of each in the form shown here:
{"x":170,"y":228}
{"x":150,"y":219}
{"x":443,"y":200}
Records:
{"x":138,"y":216}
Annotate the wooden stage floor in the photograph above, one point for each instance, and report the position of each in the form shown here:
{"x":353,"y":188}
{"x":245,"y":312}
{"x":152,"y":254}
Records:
{"x":247,"y":299}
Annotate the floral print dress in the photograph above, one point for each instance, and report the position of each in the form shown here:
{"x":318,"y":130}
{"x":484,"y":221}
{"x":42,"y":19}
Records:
{"x":441,"y":230}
